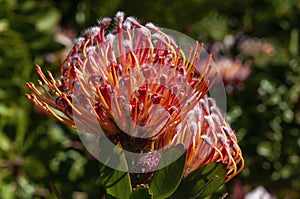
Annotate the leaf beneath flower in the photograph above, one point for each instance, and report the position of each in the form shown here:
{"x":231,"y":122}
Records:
{"x":116,"y":183}
{"x":202,"y":182}
{"x":141,"y":192}
{"x":166,"y":180}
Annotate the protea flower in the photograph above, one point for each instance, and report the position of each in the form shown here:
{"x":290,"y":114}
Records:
{"x":144,"y":92}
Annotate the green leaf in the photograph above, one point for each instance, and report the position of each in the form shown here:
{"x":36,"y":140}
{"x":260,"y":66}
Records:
{"x":116,"y":183}
{"x":47,"y":21}
{"x":5,"y":142}
{"x":141,"y":193}
{"x":294,"y":42}
{"x":202,"y":182}
{"x":166,"y":180}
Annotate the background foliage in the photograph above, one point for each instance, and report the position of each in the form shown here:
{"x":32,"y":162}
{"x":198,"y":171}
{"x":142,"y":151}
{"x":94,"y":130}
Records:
{"x":37,"y":152}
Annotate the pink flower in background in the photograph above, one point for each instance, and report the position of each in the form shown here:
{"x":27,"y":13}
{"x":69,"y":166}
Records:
{"x":254,"y":46}
{"x":233,"y":72}
{"x":259,"y":192}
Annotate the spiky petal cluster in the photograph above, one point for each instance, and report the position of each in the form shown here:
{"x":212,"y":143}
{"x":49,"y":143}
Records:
{"x":137,"y":83}
{"x":212,"y":139}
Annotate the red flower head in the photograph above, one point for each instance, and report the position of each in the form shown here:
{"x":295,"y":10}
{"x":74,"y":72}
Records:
{"x":138,"y":85}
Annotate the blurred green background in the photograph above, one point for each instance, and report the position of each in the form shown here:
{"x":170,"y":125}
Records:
{"x":38,"y":153}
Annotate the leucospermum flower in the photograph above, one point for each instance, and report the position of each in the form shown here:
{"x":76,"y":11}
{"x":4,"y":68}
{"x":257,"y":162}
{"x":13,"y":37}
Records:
{"x":144,"y":93}
{"x":234,"y":73}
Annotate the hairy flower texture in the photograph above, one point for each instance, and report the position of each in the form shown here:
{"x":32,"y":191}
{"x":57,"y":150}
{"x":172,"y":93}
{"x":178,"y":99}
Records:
{"x":145,"y":93}
{"x":212,"y":138}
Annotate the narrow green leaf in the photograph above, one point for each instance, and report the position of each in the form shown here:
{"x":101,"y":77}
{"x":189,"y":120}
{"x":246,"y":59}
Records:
{"x":55,"y":190}
{"x":5,"y":142}
{"x":117,"y":183}
{"x":141,"y":193}
{"x":294,"y":42}
{"x":202,"y":182}
{"x":166,"y":180}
